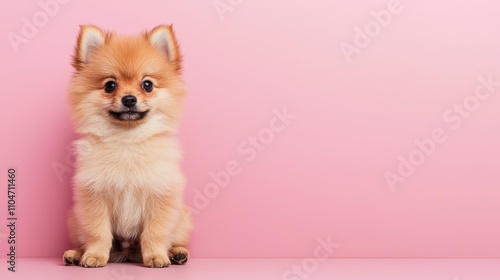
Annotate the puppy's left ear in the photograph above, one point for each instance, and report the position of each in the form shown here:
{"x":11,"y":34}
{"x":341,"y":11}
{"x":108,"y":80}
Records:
{"x":90,"y":39}
{"x":163,"y":37}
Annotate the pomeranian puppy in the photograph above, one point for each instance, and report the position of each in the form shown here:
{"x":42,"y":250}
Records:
{"x":126,"y":97}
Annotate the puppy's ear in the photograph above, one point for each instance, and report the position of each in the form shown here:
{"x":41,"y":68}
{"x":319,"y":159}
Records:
{"x":89,"y":40}
{"x":163,"y":37}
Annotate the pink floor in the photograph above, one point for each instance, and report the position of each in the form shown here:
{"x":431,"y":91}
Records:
{"x":260,"y":269}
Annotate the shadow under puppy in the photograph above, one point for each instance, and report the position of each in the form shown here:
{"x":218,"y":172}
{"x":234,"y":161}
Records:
{"x":125,"y":98}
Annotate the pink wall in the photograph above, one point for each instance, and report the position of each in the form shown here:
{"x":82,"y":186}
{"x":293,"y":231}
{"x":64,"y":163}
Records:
{"x":358,"y":104}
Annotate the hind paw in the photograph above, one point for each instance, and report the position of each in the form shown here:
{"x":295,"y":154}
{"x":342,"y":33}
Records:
{"x":72,"y":257}
{"x":178,"y":255}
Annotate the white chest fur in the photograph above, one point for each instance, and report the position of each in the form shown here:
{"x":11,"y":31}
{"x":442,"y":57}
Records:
{"x":127,"y":173}
{"x":127,"y":213}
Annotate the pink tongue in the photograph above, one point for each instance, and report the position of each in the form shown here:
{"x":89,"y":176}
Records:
{"x":125,"y":244}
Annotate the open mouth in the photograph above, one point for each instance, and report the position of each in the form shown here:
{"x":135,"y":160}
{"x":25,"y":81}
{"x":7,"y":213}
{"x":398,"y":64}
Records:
{"x":128,"y":115}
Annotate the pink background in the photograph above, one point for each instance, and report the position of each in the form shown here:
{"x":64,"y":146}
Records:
{"x":323,"y":174}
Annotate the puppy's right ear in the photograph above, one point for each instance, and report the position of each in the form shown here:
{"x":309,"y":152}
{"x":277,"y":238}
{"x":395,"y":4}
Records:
{"x":89,"y":40}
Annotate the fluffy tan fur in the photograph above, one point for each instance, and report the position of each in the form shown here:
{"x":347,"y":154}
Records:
{"x":128,"y":186}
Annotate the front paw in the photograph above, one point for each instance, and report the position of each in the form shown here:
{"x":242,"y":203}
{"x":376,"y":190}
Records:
{"x":157,"y":261}
{"x":94,"y":260}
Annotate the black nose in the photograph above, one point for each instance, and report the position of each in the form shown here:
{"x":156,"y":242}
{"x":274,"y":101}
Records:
{"x":129,"y":100}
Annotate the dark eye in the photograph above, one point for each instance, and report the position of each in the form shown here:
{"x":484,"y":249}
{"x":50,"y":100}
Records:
{"x":147,"y":86}
{"x":110,"y":86}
